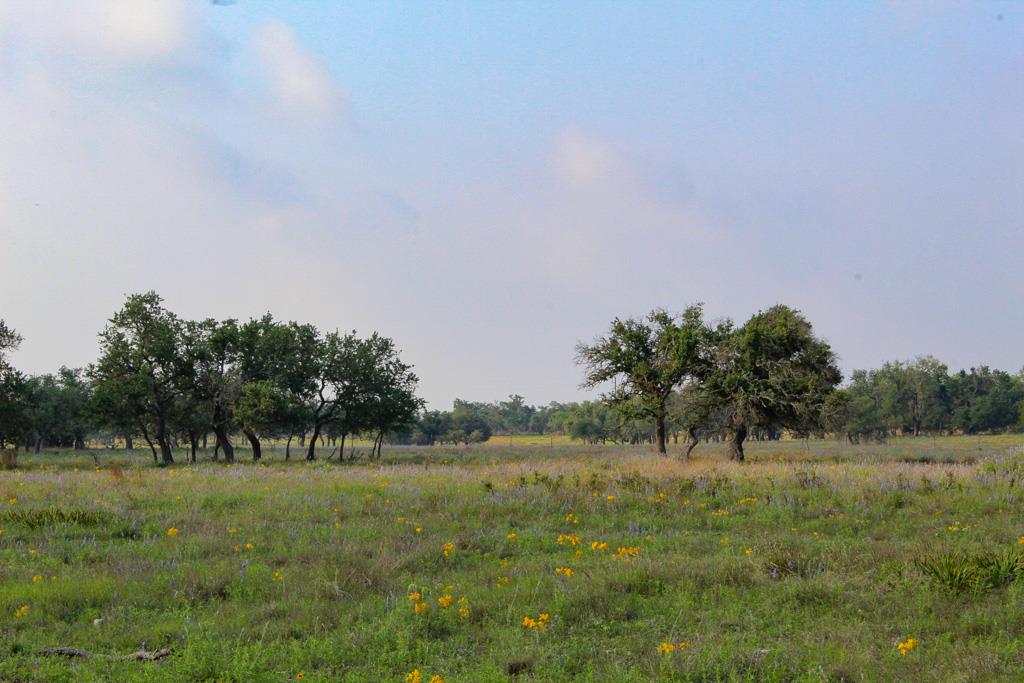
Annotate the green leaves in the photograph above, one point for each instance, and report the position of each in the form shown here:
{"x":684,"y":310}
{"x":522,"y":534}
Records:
{"x":647,"y":359}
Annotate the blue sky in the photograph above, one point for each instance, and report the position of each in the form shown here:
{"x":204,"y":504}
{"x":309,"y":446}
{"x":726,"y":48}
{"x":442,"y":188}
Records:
{"x":491,"y":183}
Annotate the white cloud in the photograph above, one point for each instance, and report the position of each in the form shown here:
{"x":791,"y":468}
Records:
{"x":111,"y":29}
{"x":301,"y":86}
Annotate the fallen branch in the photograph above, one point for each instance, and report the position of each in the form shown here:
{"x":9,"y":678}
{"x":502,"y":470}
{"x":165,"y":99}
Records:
{"x":142,"y":655}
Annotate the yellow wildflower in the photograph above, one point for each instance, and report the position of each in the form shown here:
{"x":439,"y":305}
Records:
{"x":666,"y":648}
{"x":21,"y":611}
{"x":906,"y":646}
{"x":511,"y":536}
{"x":172,"y":532}
{"x":448,"y":549}
{"x":445,"y":601}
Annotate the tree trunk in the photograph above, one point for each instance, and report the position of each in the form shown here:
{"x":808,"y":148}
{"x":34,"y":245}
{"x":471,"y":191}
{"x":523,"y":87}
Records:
{"x":311,"y":453}
{"x":166,"y":455}
{"x":194,"y":443}
{"x":152,"y":447}
{"x":692,"y":443}
{"x":659,"y":434}
{"x":739,"y":433}
{"x":128,"y":445}
{"x":224,"y":442}
{"x":161,"y":438}
{"x":341,"y":453}
{"x":39,"y":444}
{"x":257,"y":452}
{"x":288,"y":448}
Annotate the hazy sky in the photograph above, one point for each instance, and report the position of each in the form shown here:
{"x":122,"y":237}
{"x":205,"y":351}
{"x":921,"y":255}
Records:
{"x":491,"y":183}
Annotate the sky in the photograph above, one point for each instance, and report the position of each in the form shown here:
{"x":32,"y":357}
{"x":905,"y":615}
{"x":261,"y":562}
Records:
{"x":491,"y":183}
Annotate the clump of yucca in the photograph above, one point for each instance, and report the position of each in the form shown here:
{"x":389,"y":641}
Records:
{"x":961,"y":573}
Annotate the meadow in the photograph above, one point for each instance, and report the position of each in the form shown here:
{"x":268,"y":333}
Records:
{"x":813,"y":561}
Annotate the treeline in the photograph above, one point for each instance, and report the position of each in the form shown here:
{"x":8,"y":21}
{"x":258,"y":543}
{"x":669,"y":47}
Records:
{"x":476,"y":421}
{"x":172,"y":381}
{"x":923,"y":397}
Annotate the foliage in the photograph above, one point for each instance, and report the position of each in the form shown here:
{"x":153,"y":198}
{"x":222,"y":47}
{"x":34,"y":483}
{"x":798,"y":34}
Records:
{"x":647,"y":360}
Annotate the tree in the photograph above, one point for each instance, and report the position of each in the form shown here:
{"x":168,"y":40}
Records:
{"x":647,"y":359}
{"x":390,"y":402}
{"x":278,"y":366}
{"x":209,"y":376}
{"x":139,"y":369}
{"x":772,"y":373}
{"x":468,"y":425}
{"x":432,"y":427}
{"x":58,"y":408}
{"x":360,"y":385}
{"x":14,"y":418}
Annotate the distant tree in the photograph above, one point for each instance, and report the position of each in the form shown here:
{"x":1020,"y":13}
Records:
{"x":772,"y":373}
{"x":432,"y":427}
{"x":14,"y":418}
{"x":139,"y":368}
{"x":278,"y":365}
{"x":210,"y":380}
{"x":468,"y":425}
{"x":859,"y":413}
{"x":58,"y":408}
{"x":390,"y":402}
{"x":516,"y":414}
{"x":647,"y":359}
{"x":360,"y":385}
{"x":985,"y":400}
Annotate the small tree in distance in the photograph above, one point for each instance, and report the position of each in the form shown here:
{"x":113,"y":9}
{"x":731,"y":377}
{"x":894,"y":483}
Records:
{"x":648,"y":359}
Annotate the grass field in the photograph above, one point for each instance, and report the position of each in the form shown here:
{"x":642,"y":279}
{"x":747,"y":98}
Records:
{"x":812,"y":562}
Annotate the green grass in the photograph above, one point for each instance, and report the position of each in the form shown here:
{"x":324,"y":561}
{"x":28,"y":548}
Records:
{"x":819,"y":569}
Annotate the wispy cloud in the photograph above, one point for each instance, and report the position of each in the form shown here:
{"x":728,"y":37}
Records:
{"x":301,"y":86}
